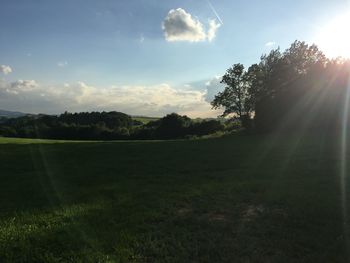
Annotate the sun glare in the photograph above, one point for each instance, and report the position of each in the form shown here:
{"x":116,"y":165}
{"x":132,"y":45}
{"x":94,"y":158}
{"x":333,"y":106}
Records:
{"x":334,"y":38}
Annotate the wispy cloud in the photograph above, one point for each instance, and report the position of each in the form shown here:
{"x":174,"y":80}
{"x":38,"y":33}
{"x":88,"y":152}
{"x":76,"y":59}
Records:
{"x":142,"y":38}
{"x":62,"y":64}
{"x":270,"y":44}
{"x":215,"y":13}
{"x":5,"y":69}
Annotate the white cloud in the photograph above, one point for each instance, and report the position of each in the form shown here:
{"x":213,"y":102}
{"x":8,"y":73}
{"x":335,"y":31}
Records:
{"x":213,"y":27}
{"x":157,"y":100}
{"x":62,"y":64}
{"x":213,"y":87}
{"x":179,"y":25}
{"x":5,"y":69}
{"x":270,"y":44}
{"x":17,"y":87}
{"x":141,"y":39}
{"x":24,"y":86}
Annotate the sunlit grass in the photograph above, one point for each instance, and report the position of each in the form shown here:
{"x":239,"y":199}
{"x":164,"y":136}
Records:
{"x":5,"y":140}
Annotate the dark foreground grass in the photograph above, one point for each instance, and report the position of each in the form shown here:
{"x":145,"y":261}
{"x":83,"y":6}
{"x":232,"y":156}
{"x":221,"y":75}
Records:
{"x":236,"y":199}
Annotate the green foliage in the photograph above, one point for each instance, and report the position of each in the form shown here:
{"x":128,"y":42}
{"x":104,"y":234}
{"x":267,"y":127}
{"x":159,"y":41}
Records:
{"x":296,"y":89}
{"x":174,"y":126}
{"x":285,"y":80}
{"x":235,"y":98}
{"x":106,"y":126}
{"x":84,"y":125}
{"x":144,"y":120}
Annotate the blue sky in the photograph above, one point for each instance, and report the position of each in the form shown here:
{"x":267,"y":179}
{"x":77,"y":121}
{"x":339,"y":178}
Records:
{"x":105,"y":44}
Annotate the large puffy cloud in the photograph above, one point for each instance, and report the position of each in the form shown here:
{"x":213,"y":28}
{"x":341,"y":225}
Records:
{"x":179,"y":25}
{"x":5,"y":69}
{"x":157,"y":100}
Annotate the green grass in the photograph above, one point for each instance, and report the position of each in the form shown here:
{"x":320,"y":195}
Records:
{"x":233,"y":199}
{"x":5,"y":140}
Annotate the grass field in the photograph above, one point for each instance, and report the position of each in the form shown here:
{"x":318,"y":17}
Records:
{"x":234,"y":199}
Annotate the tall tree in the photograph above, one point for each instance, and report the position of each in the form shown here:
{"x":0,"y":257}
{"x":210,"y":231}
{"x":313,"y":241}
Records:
{"x":235,"y":98}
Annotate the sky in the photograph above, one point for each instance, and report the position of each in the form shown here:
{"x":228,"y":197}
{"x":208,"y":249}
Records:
{"x":142,"y":57}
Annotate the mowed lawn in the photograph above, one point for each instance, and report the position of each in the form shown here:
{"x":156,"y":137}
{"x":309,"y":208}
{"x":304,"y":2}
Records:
{"x":233,"y":199}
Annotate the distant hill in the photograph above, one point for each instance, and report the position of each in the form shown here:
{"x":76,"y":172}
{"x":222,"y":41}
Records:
{"x":12,"y":114}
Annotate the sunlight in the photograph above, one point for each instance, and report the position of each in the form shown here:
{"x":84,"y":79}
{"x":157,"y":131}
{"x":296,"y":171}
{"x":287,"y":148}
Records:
{"x":334,"y":38}
{"x":343,"y":171}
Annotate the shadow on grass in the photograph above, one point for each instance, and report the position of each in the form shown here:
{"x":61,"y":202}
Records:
{"x":219,"y":200}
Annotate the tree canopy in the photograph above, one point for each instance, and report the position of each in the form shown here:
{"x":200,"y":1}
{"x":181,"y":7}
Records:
{"x":287,"y":90}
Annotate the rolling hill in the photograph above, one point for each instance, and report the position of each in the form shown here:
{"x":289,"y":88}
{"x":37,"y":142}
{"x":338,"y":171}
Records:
{"x":12,"y":114}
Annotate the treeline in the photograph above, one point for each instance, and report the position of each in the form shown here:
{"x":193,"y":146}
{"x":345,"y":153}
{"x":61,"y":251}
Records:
{"x":106,"y":126}
{"x":299,"y":88}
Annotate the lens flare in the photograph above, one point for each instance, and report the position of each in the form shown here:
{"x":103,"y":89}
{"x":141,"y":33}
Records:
{"x":343,"y":168}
